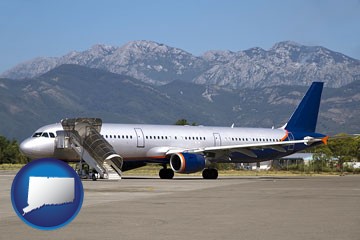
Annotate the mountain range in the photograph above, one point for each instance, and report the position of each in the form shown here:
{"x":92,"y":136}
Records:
{"x":71,"y":90}
{"x":286,"y":63}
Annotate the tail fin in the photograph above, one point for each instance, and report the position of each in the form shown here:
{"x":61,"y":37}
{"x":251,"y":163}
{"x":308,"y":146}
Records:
{"x":304,"y":118}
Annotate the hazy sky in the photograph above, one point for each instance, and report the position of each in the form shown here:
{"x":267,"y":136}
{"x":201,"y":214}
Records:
{"x":30,"y":29}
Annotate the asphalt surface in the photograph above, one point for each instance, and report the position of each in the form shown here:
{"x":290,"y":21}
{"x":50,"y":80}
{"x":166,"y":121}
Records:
{"x":193,"y":208}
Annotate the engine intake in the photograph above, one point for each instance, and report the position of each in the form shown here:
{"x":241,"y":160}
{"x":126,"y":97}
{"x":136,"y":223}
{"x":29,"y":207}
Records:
{"x":187,"y":162}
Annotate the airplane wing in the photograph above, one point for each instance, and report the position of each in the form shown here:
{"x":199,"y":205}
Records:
{"x":247,"y":148}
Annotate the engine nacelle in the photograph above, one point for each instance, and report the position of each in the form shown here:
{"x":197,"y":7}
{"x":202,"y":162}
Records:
{"x":187,"y":162}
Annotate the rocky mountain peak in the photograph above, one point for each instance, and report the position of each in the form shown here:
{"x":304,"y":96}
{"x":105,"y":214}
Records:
{"x":145,"y":46}
{"x":218,"y":56}
{"x":102,"y":49}
{"x":155,"y":63}
{"x":287,"y":45}
{"x":309,"y":54}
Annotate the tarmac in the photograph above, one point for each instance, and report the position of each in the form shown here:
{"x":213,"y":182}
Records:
{"x":193,"y":208}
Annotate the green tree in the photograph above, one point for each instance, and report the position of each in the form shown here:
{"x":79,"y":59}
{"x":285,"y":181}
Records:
{"x":357,"y":147}
{"x":184,"y":122}
{"x":10,"y":152}
{"x":322,"y":157}
{"x":342,"y":147}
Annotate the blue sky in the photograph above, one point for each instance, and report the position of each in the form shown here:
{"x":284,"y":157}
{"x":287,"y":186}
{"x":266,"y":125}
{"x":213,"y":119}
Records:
{"x":29,"y":29}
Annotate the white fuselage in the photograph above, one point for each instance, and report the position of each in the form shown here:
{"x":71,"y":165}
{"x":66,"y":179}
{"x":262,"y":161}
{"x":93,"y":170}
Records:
{"x":150,"y":142}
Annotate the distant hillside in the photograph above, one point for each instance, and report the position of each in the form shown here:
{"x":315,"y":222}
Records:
{"x":76,"y":91}
{"x":286,"y":63}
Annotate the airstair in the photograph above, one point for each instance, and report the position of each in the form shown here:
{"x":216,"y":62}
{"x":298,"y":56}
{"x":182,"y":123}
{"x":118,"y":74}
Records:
{"x":83,"y":136}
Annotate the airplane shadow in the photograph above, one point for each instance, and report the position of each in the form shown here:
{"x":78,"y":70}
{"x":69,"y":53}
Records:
{"x":220,"y":178}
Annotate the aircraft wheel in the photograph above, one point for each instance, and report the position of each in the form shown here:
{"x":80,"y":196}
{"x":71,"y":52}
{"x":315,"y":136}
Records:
{"x":214,"y":173}
{"x":210,"y":173}
{"x":166,"y":173}
{"x":205,"y":173}
{"x":93,"y":177}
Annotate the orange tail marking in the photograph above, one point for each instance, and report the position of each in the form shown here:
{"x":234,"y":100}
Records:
{"x":325,"y":140}
{"x":286,"y":135}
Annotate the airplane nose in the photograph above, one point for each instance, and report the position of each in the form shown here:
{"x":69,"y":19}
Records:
{"x":26,"y":147}
{"x":37,"y":147}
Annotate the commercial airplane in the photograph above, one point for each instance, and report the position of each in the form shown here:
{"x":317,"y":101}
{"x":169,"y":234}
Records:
{"x":189,"y":149}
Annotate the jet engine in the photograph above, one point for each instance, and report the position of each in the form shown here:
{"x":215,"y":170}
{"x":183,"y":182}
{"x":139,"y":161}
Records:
{"x":187,"y":162}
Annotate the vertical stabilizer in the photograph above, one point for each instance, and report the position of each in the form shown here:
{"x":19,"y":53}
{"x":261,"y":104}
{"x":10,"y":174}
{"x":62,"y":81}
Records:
{"x":304,"y":118}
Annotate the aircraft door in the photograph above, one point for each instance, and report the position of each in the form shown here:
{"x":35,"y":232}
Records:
{"x":140,"y":137}
{"x":217,"y":139}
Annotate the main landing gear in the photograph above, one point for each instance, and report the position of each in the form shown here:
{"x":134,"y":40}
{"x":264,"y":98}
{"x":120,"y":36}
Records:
{"x":166,"y":173}
{"x":210,"y":173}
{"x":207,"y":173}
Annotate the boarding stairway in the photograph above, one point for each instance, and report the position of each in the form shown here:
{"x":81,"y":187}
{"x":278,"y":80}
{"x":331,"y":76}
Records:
{"x":83,"y":136}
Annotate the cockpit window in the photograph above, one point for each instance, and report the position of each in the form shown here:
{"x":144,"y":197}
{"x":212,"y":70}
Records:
{"x":37,"y":134}
{"x":45,"y":134}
